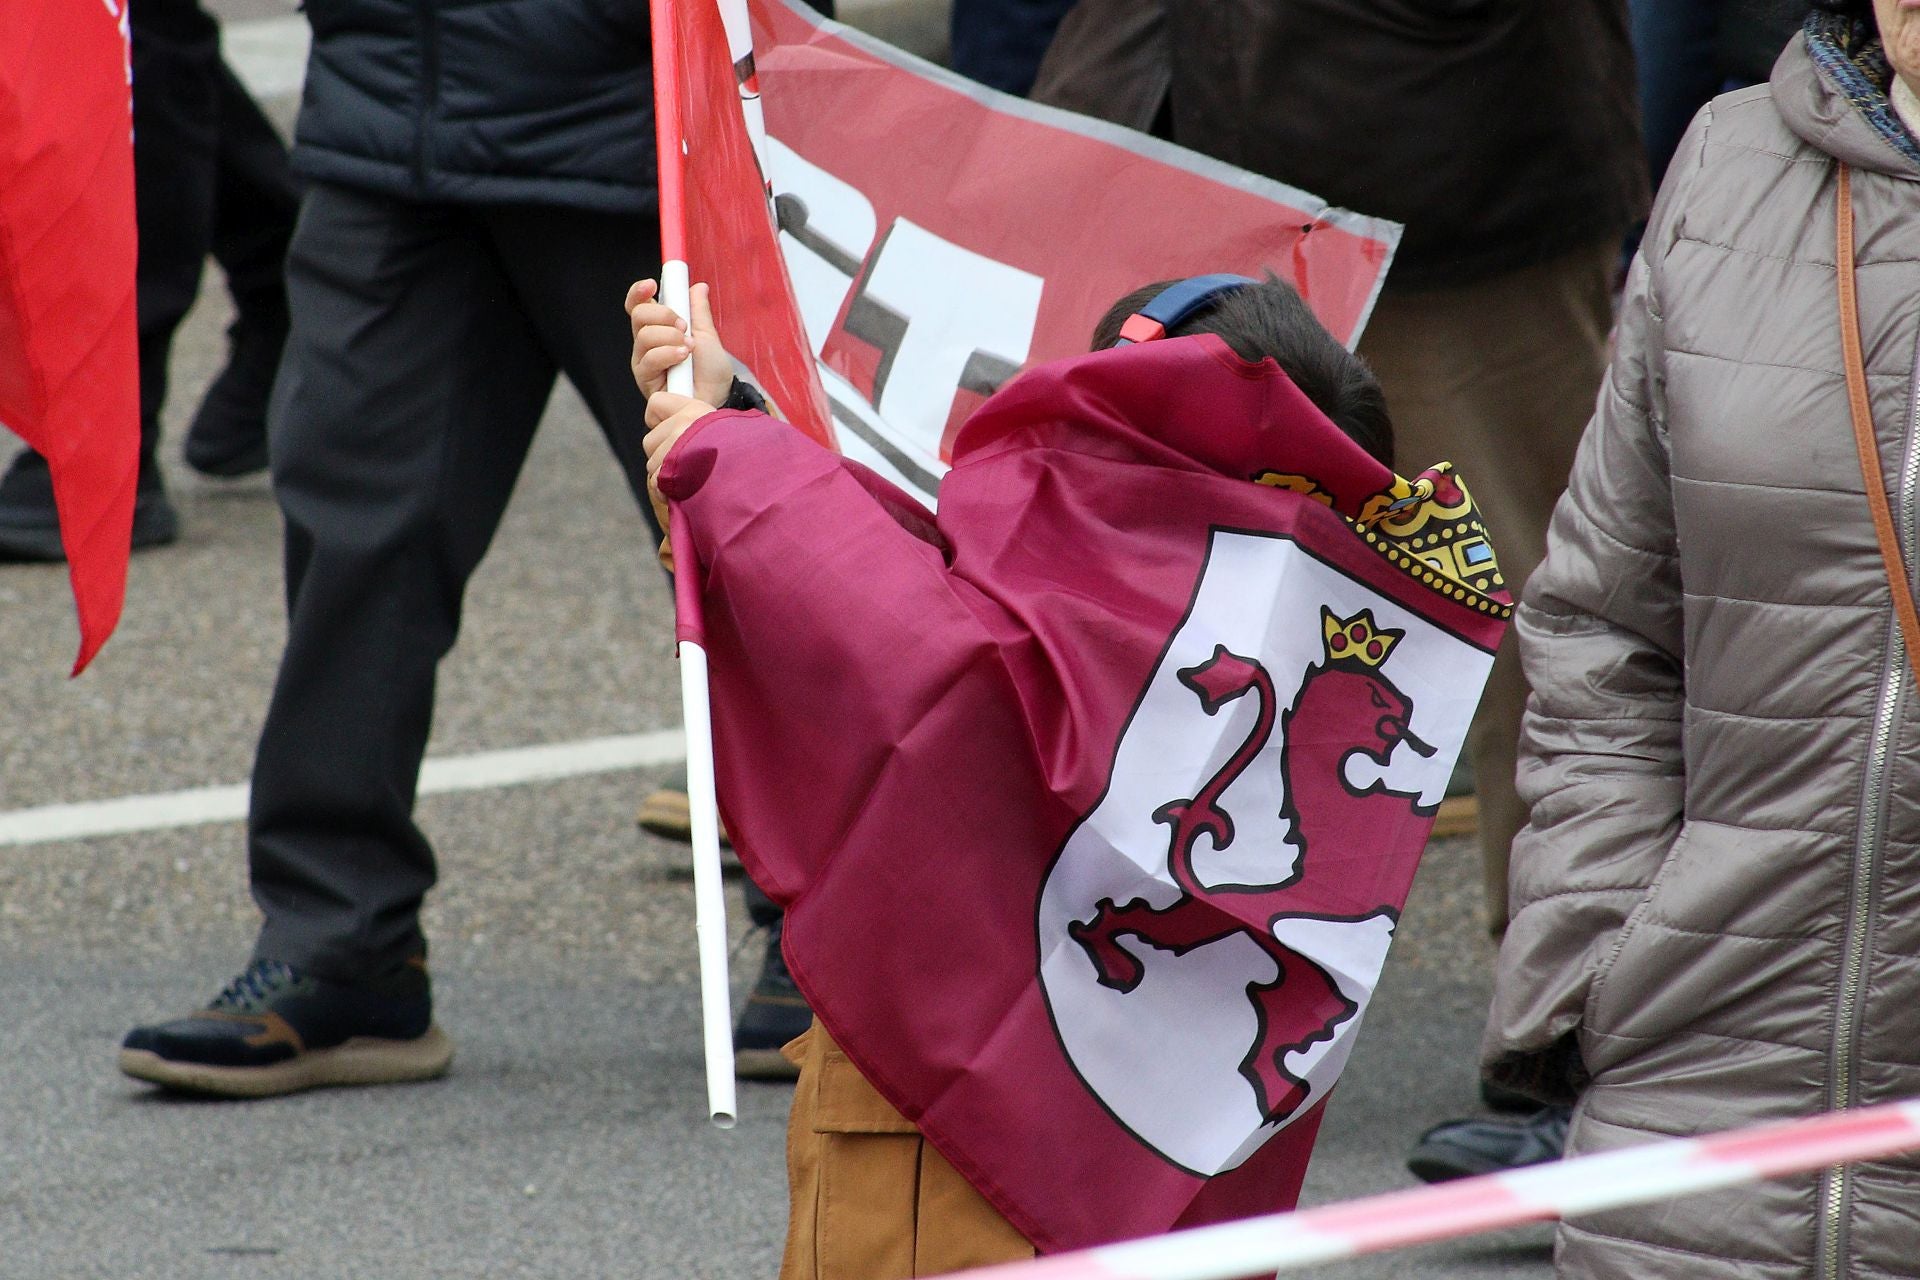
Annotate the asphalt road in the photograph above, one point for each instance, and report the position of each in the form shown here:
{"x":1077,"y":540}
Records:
{"x":570,"y":1138}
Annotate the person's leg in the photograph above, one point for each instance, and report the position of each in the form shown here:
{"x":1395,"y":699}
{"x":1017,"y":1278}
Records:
{"x":869,"y":1198}
{"x":572,"y":269}
{"x":176,"y":115}
{"x":176,"y":51}
{"x":404,"y":409}
{"x":407,"y":400}
{"x":256,"y":199}
{"x":1499,"y":377}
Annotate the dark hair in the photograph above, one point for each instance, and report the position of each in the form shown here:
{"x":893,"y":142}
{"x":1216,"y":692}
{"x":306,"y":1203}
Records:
{"x":1858,"y":10}
{"x":1270,"y":319}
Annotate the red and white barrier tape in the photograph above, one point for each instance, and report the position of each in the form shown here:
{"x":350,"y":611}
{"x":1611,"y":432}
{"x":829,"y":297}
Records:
{"x":1585,"y":1184}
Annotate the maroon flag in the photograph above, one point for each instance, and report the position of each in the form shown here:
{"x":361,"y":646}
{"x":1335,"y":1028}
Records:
{"x":1094,"y":801}
{"x":69,"y":378}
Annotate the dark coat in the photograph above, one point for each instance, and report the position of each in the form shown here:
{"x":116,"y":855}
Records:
{"x":482,"y":101}
{"x":1501,"y":132}
{"x":1752,"y":34}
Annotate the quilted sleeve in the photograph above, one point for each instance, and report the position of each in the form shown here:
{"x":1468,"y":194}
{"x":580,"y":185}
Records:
{"x":1600,"y":630}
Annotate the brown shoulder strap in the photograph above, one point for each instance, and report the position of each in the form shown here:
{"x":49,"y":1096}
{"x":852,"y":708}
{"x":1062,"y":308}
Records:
{"x":1863,"y":436}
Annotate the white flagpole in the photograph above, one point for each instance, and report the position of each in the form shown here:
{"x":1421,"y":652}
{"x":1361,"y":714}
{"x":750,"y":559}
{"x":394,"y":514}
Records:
{"x":709,"y":902}
{"x":709,"y":905}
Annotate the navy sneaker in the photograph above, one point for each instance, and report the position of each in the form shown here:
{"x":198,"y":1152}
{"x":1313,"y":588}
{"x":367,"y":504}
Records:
{"x":775,"y":1013}
{"x":275,"y":1030}
{"x":1465,"y":1148}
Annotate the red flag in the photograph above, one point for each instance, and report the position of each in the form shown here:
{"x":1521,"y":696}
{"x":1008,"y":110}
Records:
{"x":940,"y":236}
{"x":1093,"y":802}
{"x":69,"y":378}
{"x":713,"y":206}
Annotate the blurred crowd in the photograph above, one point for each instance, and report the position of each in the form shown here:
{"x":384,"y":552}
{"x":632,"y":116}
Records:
{"x":1692,"y":770}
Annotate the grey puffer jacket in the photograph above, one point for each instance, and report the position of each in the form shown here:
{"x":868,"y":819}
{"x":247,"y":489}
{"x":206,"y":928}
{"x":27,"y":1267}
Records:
{"x":1717,"y":905}
{"x":482,"y":101}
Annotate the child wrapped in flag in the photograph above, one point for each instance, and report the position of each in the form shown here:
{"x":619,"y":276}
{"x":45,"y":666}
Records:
{"x":1094,"y":799}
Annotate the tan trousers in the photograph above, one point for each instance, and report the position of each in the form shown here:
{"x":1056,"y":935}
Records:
{"x":871,"y":1200}
{"x":1499,"y":377}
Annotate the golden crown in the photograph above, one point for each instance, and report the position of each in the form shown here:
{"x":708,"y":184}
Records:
{"x":1357,"y":639}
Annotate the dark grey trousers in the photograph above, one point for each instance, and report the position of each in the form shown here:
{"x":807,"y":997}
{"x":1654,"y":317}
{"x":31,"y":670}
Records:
{"x":210,"y":175}
{"x":425,"y":342}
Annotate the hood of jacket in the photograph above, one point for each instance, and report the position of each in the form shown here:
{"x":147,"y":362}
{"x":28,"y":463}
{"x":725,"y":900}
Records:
{"x":1831,"y":91}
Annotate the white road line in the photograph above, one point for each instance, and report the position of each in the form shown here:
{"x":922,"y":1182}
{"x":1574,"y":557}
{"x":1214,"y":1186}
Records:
{"x":480,"y":771}
{"x":268,"y":54}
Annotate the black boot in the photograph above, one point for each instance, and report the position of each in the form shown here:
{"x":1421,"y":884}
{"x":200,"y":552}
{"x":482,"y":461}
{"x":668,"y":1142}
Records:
{"x":1465,"y":1148}
{"x":30,"y":524}
{"x":776,"y":1012}
{"x":228,"y":436}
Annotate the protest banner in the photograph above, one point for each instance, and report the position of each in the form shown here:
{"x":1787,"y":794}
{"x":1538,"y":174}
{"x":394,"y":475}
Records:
{"x":940,"y":236}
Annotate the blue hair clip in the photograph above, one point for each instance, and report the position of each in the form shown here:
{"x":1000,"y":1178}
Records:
{"x":1175,"y":304}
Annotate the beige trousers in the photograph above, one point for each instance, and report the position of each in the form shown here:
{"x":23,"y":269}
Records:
{"x":871,"y":1200}
{"x":1499,"y":377}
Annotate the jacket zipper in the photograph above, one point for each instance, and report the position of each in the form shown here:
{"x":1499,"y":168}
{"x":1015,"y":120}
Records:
{"x":1837,"y":1183}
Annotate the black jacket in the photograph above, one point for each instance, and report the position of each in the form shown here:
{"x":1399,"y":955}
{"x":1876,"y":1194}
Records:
{"x":1501,"y":132}
{"x":494,"y":101}
{"x":1752,"y":33}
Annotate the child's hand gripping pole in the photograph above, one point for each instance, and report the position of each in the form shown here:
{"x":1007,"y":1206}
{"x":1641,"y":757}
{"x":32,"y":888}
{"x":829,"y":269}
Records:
{"x":709,"y":904}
